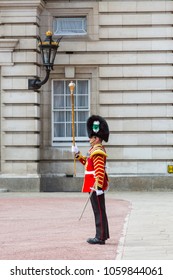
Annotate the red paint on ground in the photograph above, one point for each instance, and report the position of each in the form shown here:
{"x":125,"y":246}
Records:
{"x":49,"y":229}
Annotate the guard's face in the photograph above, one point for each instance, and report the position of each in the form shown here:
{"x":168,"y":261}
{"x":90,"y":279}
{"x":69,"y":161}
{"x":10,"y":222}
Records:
{"x":94,"y":140}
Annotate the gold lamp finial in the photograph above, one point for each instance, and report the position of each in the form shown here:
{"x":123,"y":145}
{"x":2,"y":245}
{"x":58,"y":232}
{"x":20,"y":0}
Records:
{"x":71,"y":86}
{"x":48,"y":33}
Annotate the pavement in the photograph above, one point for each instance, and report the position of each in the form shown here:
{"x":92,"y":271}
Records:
{"x":148,"y":233}
{"x":46,"y":226}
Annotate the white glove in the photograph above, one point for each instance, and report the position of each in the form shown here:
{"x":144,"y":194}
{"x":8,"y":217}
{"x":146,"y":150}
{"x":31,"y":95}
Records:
{"x":74,"y":149}
{"x":98,"y":192}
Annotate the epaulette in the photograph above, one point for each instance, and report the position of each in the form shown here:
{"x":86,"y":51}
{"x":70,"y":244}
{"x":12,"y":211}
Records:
{"x":97,"y":150}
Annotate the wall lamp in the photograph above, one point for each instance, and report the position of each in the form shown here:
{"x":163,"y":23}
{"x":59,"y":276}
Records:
{"x":48,"y":49}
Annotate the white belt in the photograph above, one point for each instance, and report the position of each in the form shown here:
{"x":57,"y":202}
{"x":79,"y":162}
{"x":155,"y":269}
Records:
{"x":90,"y":172}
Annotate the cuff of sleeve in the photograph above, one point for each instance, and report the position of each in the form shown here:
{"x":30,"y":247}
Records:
{"x":78,"y":155}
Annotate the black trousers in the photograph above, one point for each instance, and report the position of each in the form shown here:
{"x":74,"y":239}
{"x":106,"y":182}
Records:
{"x":101,"y":221}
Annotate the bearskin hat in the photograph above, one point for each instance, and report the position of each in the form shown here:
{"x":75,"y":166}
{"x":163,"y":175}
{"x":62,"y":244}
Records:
{"x":97,"y":126}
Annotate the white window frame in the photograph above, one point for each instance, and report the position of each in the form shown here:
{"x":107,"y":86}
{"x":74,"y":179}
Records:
{"x":59,"y":29}
{"x":61,"y":141}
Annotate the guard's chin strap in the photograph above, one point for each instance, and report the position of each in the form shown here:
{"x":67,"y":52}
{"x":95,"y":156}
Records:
{"x":93,"y":140}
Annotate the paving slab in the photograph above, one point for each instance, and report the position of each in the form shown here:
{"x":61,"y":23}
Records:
{"x":46,"y":226}
{"x":149,"y":231}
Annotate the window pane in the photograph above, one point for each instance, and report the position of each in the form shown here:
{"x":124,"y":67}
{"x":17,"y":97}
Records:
{"x":58,"y":87}
{"x":82,"y":96}
{"x":82,"y":87}
{"x":68,"y":101}
{"x":82,"y":129}
{"x":59,"y":117}
{"x":82,"y":101}
{"x":68,"y":116}
{"x":82,"y":116}
{"x":58,"y":101}
{"x":82,"y":132}
{"x":69,"y":130}
{"x":59,"y":130}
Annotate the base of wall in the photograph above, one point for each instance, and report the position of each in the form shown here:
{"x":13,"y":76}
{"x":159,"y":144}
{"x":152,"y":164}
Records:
{"x":55,"y":183}
{"x":20,"y":183}
{"x":142,"y":183}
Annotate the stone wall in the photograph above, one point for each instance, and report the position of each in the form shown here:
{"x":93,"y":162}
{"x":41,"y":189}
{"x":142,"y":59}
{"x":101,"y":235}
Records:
{"x":126,"y":55}
{"x":20,"y":108}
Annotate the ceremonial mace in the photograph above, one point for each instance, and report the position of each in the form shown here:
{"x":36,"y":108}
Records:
{"x":72,"y":86}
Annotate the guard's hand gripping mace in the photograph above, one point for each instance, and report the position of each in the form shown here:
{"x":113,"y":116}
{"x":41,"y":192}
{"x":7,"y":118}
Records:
{"x":72,"y":86}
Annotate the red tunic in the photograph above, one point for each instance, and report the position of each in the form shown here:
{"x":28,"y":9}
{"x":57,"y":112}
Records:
{"x":94,"y":168}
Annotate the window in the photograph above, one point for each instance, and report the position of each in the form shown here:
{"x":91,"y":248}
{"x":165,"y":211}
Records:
{"x":70,"y":26}
{"x":62,"y":111}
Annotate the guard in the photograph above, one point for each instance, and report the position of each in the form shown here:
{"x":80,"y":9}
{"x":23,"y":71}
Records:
{"x":96,"y":179}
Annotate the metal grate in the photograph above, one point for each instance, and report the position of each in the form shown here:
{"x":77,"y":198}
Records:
{"x":70,"y":26}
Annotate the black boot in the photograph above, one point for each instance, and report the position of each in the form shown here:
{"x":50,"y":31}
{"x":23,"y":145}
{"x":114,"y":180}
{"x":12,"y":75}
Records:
{"x":95,"y":240}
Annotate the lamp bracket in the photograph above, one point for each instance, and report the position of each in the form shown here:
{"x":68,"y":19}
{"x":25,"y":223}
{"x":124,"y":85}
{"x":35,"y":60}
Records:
{"x":35,"y":84}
